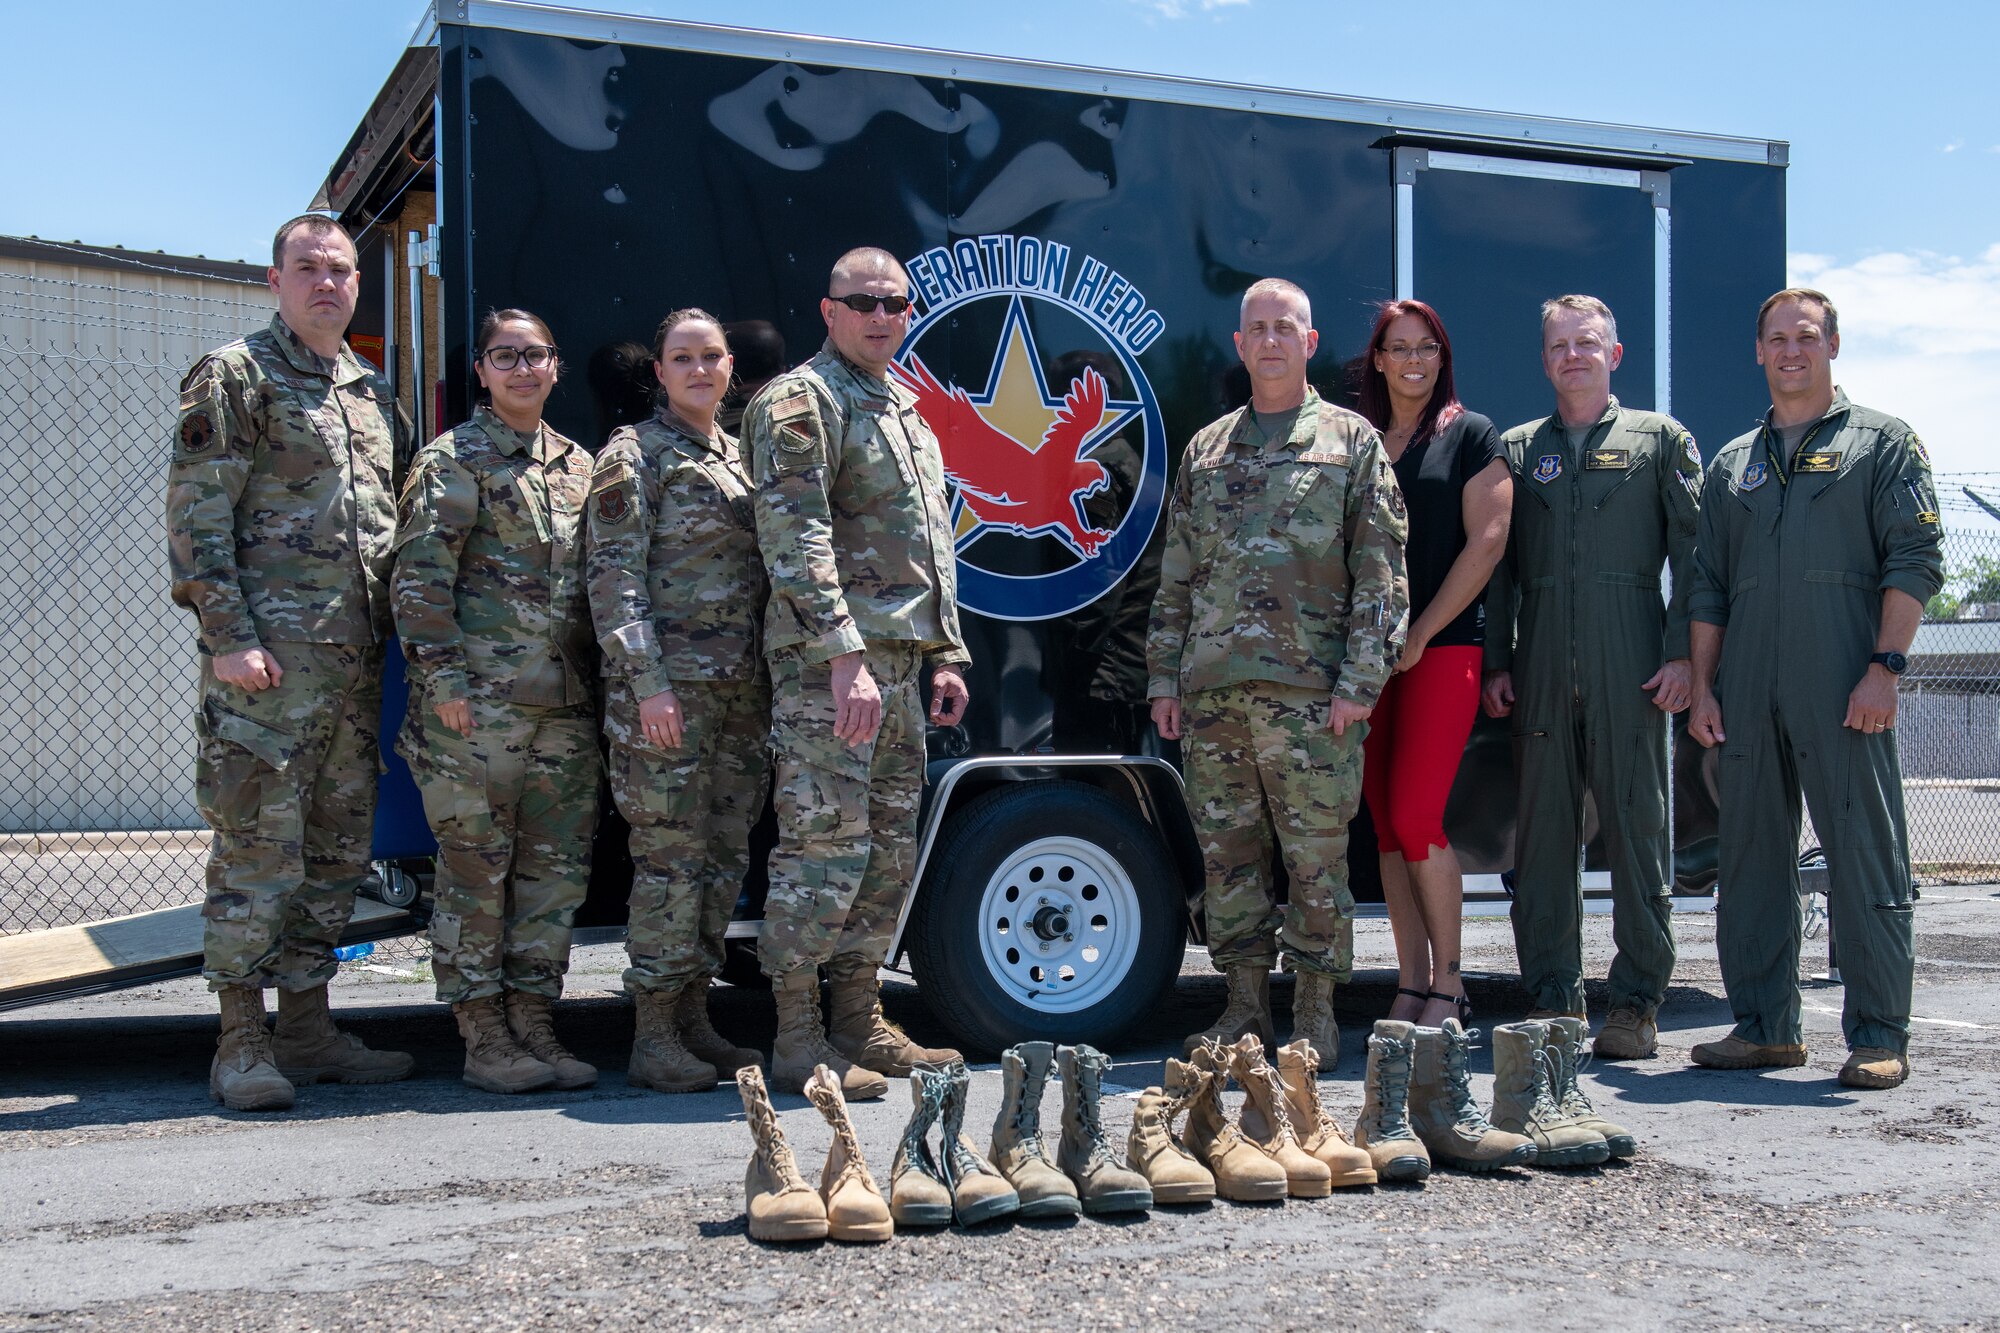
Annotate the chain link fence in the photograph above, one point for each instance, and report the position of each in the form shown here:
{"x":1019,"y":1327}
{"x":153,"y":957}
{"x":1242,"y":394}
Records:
{"x":1948,"y":719}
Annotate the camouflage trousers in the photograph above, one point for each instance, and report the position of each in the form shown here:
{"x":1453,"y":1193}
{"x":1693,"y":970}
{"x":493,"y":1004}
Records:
{"x":513,"y":806}
{"x":286,"y":779}
{"x":1262,"y":768}
{"x":690,"y":810}
{"x":847,"y":816}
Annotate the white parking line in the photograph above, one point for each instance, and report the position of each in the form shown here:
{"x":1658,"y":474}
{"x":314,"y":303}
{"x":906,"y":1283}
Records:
{"x":1914,"y":1018}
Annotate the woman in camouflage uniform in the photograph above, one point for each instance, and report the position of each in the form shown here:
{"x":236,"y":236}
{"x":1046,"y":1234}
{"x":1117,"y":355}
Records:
{"x":677,"y":591}
{"x":490,"y":607}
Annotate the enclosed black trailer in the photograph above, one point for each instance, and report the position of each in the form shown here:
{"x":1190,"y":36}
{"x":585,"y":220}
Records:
{"x":601,"y":170}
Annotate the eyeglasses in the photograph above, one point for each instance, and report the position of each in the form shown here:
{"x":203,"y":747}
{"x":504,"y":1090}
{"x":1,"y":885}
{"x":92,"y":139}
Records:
{"x":503,"y":357}
{"x":861,"y":303}
{"x":1425,"y":351}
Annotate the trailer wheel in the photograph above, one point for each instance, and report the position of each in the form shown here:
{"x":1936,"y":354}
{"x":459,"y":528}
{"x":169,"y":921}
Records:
{"x":1053,"y":913}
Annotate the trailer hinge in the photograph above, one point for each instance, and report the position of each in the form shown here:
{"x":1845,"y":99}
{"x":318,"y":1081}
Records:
{"x":424,"y":253}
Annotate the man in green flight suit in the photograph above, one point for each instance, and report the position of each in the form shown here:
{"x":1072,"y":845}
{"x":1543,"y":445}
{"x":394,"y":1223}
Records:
{"x":1590,"y":662}
{"x":1818,"y":551}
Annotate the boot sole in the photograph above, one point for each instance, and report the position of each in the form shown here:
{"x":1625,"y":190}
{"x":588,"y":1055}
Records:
{"x":1404,"y":1171}
{"x":1062,"y":1205}
{"x":1622,"y":1145}
{"x":920,"y":1214}
{"x":504,"y":1089}
{"x":1123,"y":1201}
{"x":807,"y":1229}
{"x":335,"y":1074}
{"x":1613,"y":1053}
{"x":1562,"y":1159}
{"x":1774,"y":1060}
{"x":270,"y":1101}
{"x":671,"y":1085}
{"x":1871,"y":1082}
{"x":1312,"y":1188}
{"x":1522,"y":1156}
{"x":986,"y":1210}
{"x":1364,"y":1175}
{"x":1193,"y":1192}
{"x":572,"y":1084}
{"x":866,"y":1233}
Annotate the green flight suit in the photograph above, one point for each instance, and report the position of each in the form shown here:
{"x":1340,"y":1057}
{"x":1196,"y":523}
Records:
{"x":1575,"y":613}
{"x":1793,"y":560}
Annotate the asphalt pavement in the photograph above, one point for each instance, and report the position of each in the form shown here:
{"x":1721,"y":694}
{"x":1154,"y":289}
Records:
{"x":128,"y":1200}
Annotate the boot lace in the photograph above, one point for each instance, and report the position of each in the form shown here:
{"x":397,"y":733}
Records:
{"x":1467,"y":1114}
{"x":1570,"y":1096}
{"x":835,"y":1114}
{"x":1323,"y":1121}
{"x":1543,"y":1110}
{"x":767,"y":1138}
{"x":1272,"y":1103}
{"x":936,"y":1089}
{"x":1392,"y":1108}
{"x":1089,"y":1074}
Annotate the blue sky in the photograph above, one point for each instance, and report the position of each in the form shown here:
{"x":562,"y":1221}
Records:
{"x":125,"y":130}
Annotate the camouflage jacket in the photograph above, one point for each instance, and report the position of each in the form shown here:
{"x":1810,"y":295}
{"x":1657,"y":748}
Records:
{"x":1284,"y":560}
{"x":852,"y":517}
{"x":677,"y":588}
{"x":489,"y":566}
{"x":281,"y":500}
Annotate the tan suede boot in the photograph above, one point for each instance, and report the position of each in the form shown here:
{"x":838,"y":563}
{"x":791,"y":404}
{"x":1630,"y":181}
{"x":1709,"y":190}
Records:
{"x":1875,"y":1067}
{"x":1247,"y":1013}
{"x":1383,"y":1130}
{"x":855,"y":1208}
{"x":801,"y":1044}
{"x":1628,"y":1033}
{"x":1265,"y":1121}
{"x":494,"y":1061}
{"x":1445,"y":1116}
{"x":979,"y":1193}
{"x":531,"y":1019}
{"x":1312,"y":1017}
{"x":1151,"y":1146}
{"x":1017,"y":1134}
{"x":1565,"y":1057}
{"x":243,"y":1076}
{"x":776,"y":1199}
{"x":308,"y":1048}
{"x":660,"y":1060}
{"x":1243,"y":1171}
{"x":1319,"y":1134}
{"x":698,"y":1034}
{"x":1104,"y":1182}
{"x":918,"y":1194}
{"x":858,"y":1030}
{"x":1524,"y":1100}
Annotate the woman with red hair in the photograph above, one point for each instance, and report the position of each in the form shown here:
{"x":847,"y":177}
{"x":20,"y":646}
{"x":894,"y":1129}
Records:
{"x":1454,"y":477}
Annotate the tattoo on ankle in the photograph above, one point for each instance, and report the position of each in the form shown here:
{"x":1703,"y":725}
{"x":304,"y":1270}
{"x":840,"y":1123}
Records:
{"x":1452,"y":968}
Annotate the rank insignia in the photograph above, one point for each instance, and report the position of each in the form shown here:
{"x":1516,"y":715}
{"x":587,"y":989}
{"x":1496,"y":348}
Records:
{"x":1607,"y":459}
{"x":611,"y":504}
{"x":1753,"y":476}
{"x":1821,"y":462}
{"x":1548,"y":468}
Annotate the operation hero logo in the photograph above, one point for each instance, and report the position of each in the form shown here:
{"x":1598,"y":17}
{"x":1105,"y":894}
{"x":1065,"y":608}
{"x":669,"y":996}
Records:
{"x":1059,"y":443}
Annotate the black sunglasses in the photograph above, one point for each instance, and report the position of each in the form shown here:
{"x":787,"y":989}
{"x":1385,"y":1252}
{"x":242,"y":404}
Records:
{"x":861,"y":303}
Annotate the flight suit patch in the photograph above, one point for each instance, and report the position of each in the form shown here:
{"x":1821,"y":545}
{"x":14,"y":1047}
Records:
{"x":1600,"y":460}
{"x":1820,"y":462}
{"x":1548,"y":468}
{"x":1753,"y":476}
{"x":1923,"y":454}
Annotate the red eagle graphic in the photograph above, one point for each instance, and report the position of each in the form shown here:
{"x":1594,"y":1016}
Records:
{"x":1005,"y":484}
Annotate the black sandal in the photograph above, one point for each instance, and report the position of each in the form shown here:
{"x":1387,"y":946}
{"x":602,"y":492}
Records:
{"x":1464,"y":1004}
{"x":1413,"y":994}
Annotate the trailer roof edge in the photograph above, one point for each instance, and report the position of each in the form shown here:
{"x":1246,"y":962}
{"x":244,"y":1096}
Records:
{"x":1416,"y":117}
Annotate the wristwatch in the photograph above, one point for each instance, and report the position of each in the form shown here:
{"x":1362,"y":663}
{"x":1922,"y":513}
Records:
{"x":1895,"y":662}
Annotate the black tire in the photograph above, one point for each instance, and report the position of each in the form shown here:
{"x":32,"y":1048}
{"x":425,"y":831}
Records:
{"x":988,"y":1012}
{"x":740,"y":967}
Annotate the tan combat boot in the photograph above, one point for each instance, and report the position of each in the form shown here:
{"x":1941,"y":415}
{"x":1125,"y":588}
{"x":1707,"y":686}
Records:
{"x":1312,"y":1017}
{"x":243,"y":1076}
{"x":801,"y":1045}
{"x":776,"y":1199}
{"x":1442,"y":1111}
{"x":1524,"y":1100}
{"x":1104,"y":1182}
{"x":1266,"y":1122}
{"x":1545,"y":1015}
{"x":979,"y":1193}
{"x":1874,"y":1067}
{"x":531,"y":1019}
{"x":1017,"y":1134}
{"x":1247,"y":1013}
{"x":918,"y":1194}
{"x":1243,"y":1171}
{"x":494,"y":1061}
{"x":858,"y":1030}
{"x":1151,"y":1146}
{"x":855,"y":1208}
{"x":1628,"y":1034}
{"x":660,"y":1060}
{"x":1565,"y":1050}
{"x":1733,"y":1052}
{"x":1298,"y":1070}
{"x":698,"y":1034}
{"x":308,"y":1048}
{"x":1383,"y":1130}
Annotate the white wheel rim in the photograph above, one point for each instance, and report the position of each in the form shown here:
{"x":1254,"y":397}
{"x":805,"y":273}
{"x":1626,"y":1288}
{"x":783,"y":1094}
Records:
{"x":1050,"y":883}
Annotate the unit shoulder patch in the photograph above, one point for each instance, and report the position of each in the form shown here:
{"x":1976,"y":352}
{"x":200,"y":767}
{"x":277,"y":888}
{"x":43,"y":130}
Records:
{"x":1548,"y":467}
{"x":1754,"y":475}
{"x":197,"y":435}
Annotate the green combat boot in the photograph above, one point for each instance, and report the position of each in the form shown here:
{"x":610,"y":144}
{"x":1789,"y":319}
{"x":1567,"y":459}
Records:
{"x":1248,"y":1011}
{"x":243,"y":1076}
{"x":918,"y":1195}
{"x":1384,"y":1127}
{"x":1151,"y":1146}
{"x":1017,"y":1134}
{"x":1442,"y":1111}
{"x":659,"y":1059}
{"x":531,"y":1018}
{"x":1524,"y":1100}
{"x":1565,"y":1051}
{"x":777,"y":1202}
{"x":308,"y":1048}
{"x":1103,"y":1181}
{"x":979,"y":1193}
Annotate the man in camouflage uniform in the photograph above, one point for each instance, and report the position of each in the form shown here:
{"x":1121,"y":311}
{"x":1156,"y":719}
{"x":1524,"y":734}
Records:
{"x":490,"y":609}
{"x":677,"y":590}
{"x":1282,"y":606}
{"x":855,"y":531}
{"x":280,"y":512}
{"x":1604,"y":497}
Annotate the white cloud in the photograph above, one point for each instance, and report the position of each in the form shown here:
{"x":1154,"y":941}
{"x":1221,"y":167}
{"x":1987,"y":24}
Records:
{"x":1953,"y":146}
{"x":1180,"y":9}
{"x":1920,"y":338}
